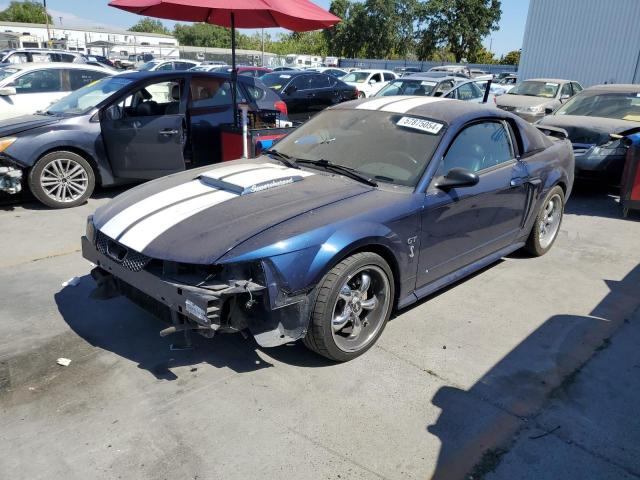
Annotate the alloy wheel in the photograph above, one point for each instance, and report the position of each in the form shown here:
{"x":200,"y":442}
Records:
{"x":550,"y":221}
{"x":64,"y":180}
{"x":360,"y":310}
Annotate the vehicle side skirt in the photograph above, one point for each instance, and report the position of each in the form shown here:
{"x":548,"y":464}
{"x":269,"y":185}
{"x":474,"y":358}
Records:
{"x":457,"y":275}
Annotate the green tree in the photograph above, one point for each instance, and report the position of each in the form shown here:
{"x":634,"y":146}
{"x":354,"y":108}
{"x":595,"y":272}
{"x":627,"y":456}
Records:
{"x":460,"y":25}
{"x":482,"y":55}
{"x":26,"y":12}
{"x":511,"y":58}
{"x":204,"y":35}
{"x":150,"y":25}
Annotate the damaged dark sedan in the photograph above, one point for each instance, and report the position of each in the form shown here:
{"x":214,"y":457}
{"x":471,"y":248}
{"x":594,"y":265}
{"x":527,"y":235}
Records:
{"x":369,"y":206}
{"x":596,"y":120}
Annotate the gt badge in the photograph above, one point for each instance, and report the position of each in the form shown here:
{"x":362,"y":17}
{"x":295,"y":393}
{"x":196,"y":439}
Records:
{"x":412,"y":245}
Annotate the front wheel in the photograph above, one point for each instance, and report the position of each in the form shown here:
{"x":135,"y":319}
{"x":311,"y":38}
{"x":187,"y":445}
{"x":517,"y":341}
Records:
{"x":547,"y":225}
{"x":362,"y":95}
{"x":353,"y":304}
{"x":62,"y":180}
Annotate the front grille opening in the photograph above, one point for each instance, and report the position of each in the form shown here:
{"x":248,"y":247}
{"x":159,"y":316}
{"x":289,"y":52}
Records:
{"x":128,"y":258}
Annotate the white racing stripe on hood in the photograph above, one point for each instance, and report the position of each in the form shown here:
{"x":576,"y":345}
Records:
{"x":146,"y":231}
{"x":403,"y":106}
{"x":377,"y":103}
{"x":136,"y":212}
{"x":246,"y":179}
{"x":120,"y":222}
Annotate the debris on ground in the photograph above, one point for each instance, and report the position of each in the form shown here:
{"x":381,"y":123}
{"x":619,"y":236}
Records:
{"x":72,"y":282}
{"x":65,"y":362}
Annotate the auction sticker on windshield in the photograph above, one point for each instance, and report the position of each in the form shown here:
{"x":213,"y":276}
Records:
{"x":420,"y":124}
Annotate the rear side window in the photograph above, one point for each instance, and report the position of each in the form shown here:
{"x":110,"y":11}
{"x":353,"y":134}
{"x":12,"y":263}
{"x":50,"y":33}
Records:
{"x":182,"y":65}
{"x":576,"y":87}
{"x":254,"y":92}
{"x":388,"y":77}
{"x":319,"y":81}
{"x":566,"y":90}
{"x":39,"y":81}
{"x":478,"y":147}
{"x":80,"y":78}
{"x":65,"y":57}
{"x":210,"y":92}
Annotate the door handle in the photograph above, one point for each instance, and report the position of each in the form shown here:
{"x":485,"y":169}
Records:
{"x":167,"y":132}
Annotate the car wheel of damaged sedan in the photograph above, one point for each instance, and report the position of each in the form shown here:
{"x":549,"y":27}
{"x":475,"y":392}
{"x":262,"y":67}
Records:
{"x":62,"y":180}
{"x":353,"y":304}
{"x":547,"y":224}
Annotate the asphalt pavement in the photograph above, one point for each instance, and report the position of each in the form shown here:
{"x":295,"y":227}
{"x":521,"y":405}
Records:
{"x":528,"y":369}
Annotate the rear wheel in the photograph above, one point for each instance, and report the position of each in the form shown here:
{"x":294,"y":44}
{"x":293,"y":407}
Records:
{"x":361,"y":95}
{"x":353,"y":304}
{"x":62,"y":179}
{"x":547,"y":225}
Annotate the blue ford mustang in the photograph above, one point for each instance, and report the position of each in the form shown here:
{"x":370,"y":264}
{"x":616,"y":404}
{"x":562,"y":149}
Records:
{"x":368,"y":207}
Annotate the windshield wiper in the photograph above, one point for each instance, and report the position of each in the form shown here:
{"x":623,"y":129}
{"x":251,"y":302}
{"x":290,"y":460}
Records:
{"x":341,"y":169}
{"x":288,"y":160}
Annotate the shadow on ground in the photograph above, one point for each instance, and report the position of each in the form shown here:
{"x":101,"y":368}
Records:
{"x":121,"y":327}
{"x":516,"y":388}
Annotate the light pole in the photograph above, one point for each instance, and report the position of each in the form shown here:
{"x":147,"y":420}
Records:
{"x":46,"y":19}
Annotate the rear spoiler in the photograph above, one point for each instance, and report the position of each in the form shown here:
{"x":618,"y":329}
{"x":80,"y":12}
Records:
{"x":556,"y":132}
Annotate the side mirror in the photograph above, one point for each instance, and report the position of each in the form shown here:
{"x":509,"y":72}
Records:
{"x":548,"y":111}
{"x":7,"y":91}
{"x":457,"y":177}
{"x":114,"y":112}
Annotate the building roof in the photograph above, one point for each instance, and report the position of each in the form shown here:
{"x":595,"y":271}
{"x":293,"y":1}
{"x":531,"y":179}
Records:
{"x":614,"y":88}
{"x":96,"y":29}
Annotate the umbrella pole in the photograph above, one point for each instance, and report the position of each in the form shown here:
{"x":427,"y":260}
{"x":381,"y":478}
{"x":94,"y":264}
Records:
{"x":234,"y":73}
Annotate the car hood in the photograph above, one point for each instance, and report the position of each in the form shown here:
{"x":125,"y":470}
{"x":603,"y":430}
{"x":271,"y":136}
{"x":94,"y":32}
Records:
{"x":11,"y":126}
{"x":589,"y":130}
{"x":522,"y":101}
{"x":198,"y":216}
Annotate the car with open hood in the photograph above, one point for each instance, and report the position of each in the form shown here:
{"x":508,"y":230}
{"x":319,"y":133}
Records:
{"x":597,"y":120}
{"x":369,"y":206}
{"x":533,"y":99}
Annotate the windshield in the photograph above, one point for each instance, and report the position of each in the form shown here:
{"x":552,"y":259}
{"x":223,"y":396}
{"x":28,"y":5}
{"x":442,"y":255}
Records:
{"x":387,"y":147}
{"x":536,"y":89}
{"x":356,"y":77}
{"x":84,"y":99}
{"x":148,"y":66}
{"x":275,"y":80}
{"x":620,"y":106}
{"x":7,"y":72}
{"x":408,"y":87}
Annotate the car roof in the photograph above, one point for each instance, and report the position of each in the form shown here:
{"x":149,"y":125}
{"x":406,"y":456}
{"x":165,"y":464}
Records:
{"x":372,"y":70}
{"x":614,"y":88}
{"x":550,"y":80}
{"x":442,"y":109}
{"x":144,"y":75}
{"x":426,"y":76}
{"x":52,"y":65}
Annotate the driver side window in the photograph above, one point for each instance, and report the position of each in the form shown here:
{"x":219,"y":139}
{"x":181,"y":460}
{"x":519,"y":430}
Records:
{"x":157,"y":99}
{"x":478,"y":147}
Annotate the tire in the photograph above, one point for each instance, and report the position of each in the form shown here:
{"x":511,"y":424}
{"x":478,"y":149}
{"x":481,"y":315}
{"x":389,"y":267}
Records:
{"x":361,"y":95}
{"x":538,"y":242}
{"x":332,"y":333}
{"x":62,"y":179}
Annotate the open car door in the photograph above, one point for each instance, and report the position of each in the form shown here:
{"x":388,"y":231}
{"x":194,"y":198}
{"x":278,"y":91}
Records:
{"x":145,"y":133}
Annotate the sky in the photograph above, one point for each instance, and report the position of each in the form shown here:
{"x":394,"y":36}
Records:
{"x":81,"y":13}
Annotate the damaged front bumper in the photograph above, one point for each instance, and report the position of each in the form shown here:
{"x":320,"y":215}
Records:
{"x":231,"y":301}
{"x":10,"y":178}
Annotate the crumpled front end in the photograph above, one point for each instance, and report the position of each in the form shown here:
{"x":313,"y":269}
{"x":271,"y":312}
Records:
{"x":206,"y":299}
{"x":605,"y":161}
{"x":10,"y":177}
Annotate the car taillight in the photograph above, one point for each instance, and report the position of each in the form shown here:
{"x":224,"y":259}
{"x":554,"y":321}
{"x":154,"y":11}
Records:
{"x":281,"y":107}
